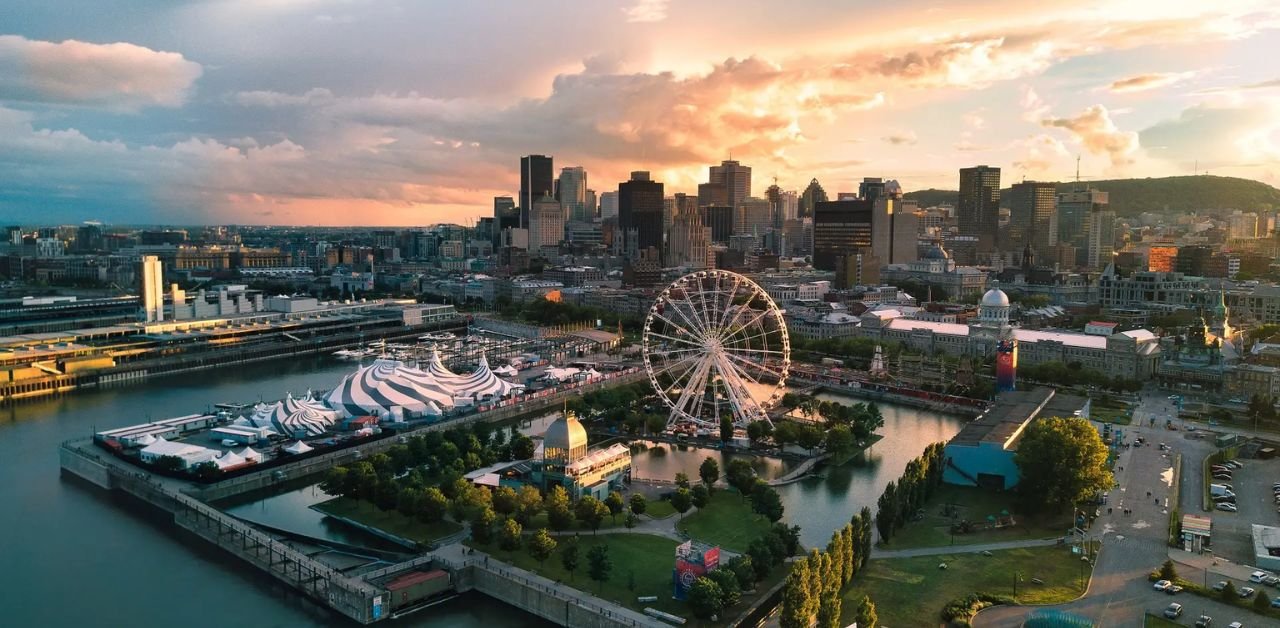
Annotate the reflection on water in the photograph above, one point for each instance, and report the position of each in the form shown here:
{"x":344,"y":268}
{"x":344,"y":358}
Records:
{"x":662,"y":461}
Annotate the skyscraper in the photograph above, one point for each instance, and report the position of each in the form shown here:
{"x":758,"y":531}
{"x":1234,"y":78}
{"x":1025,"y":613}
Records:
{"x":608,"y":205}
{"x":546,"y":224}
{"x":536,"y":180}
{"x":871,"y":188}
{"x":505,"y":213}
{"x":688,"y":242}
{"x":1032,"y":217}
{"x":736,"y":179}
{"x":840,"y":228}
{"x":152,"y":289}
{"x":640,"y":203}
{"x":812,"y":195}
{"x":894,"y":230}
{"x":719,"y":219}
{"x":754,"y":217}
{"x":572,"y":186}
{"x":978,"y":211}
{"x":1086,"y":223}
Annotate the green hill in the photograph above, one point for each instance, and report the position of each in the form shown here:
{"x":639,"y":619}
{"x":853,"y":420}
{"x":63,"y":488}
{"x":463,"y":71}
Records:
{"x":1134,"y":196}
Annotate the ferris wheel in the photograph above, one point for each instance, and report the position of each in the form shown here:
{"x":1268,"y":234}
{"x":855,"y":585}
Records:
{"x":715,"y":345}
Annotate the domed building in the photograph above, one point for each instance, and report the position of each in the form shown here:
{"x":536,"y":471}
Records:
{"x":566,"y":460}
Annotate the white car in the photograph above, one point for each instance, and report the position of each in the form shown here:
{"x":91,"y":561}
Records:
{"x":1247,"y":591}
{"x":1161,"y":585}
{"x":1227,"y":507}
{"x":1257,"y":576}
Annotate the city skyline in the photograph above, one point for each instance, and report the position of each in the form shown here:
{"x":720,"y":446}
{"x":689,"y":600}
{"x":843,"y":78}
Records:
{"x":332,"y":113}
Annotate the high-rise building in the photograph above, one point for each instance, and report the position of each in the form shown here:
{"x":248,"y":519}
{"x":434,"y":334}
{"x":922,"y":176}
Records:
{"x":640,"y":202}
{"x":736,"y":179}
{"x":979,"y":208}
{"x":1086,"y":223}
{"x":536,"y":181}
{"x":754,"y":217}
{"x":712,"y":194}
{"x":812,"y":195}
{"x":894,"y":230}
{"x":1031,"y":217}
{"x":719,"y":219}
{"x":1242,"y":225}
{"x":871,"y":188}
{"x":591,"y":206}
{"x":505,"y":213}
{"x":152,"y":289}
{"x":608,"y":205}
{"x":840,"y":228}
{"x":546,"y":224}
{"x":572,"y":188}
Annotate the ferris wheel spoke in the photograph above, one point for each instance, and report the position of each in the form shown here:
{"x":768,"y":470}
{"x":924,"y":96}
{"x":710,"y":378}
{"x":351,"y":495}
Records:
{"x":755,"y":365}
{"x":678,"y":327}
{"x":742,"y":402}
{"x":730,"y":295}
{"x":696,"y":382}
{"x":746,"y":350}
{"x":686,"y":363}
{"x":684,"y":342}
{"x":679,"y":309}
{"x":749,"y":324}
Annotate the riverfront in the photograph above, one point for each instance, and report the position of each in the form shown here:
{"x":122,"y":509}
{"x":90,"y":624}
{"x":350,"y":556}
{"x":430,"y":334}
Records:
{"x":152,"y":552}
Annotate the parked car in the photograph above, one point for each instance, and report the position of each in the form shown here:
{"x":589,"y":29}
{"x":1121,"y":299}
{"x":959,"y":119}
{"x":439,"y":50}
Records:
{"x":1173,"y":589}
{"x":1275,"y":603}
{"x":1247,"y":591}
{"x":1227,"y":507}
{"x":1271,"y":580}
{"x":1219,"y":585}
{"x":1257,"y":576}
{"x":1161,"y":585}
{"x":1205,"y":621}
{"x":1235,"y":624}
{"x":1224,"y":477}
{"x":1174,"y":610}
{"x":1235,"y":463}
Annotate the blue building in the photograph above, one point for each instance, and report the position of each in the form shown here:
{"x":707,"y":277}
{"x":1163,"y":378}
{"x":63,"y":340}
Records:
{"x":982,"y":453}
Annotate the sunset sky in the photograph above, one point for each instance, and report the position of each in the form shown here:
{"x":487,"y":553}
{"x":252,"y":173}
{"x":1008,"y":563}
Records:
{"x":415,"y":112}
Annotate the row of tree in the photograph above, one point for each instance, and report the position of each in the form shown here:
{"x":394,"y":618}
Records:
{"x":903,"y":498}
{"x":1075,"y":374}
{"x":859,"y":419}
{"x":812,"y":592}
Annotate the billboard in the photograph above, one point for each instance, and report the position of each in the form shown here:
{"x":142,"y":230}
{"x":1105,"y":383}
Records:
{"x":1006,"y":365}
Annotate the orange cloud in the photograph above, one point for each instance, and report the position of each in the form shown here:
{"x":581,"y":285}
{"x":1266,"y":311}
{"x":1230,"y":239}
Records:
{"x":120,"y":75}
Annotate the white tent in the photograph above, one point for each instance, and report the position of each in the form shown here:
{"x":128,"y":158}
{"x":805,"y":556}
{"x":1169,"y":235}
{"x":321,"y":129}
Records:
{"x":228,"y":460}
{"x":145,"y":440}
{"x":251,"y":455}
{"x":298,"y":447}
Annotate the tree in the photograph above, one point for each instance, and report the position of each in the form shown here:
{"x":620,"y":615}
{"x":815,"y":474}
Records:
{"x":766,"y":501}
{"x":681,"y":500}
{"x":1062,"y":462}
{"x":839,"y":441}
{"x":709,"y":471}
{"x":726,"y":429}
{"x":795,"y":596}
{"x":559,"y":516}
{"x":1168,"y":571}
{"x":700,"y":496}
{"x":728,"y":582}
{"x":522,"y":447}
{"x":511,"y":531}
{"x":759,"y":430}
{"x":865,"y":613}
{"x":808,"y":436}
{"x":638,"y":504}
{"x":829,"y":610}
{"x":482,"y":525}
{"x":336,"y":481}
{"x":741,"y":476}
{"x":706,"y":599}
{"x":682,"y":480}
{"x":599,"y":564}
{"x":762,"y":558}
{"x":887,"y":511}
{"x":569,"y":556}
{"x":1229,"y":594}
{"x":591,"y":512}
{"x":528,"y":504}
{"x":433,"y":505}
{"x":615,"y":504}
{"x":1261,"y":602}
{"x":744,"y":570}
{"x":505,"y":501}
{"x":407,"y":501}
{"x":540,"y":546}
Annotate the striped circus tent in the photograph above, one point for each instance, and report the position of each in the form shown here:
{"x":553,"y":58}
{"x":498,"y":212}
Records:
{"x":291,"y":416}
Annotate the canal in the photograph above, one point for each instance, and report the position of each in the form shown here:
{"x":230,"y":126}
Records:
{"x":126,"y":566}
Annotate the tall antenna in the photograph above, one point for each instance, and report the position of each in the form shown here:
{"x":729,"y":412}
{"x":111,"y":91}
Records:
{"x":1077,"y":168}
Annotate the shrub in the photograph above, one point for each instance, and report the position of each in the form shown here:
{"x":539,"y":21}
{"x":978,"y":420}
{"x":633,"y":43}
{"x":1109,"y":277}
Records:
{"x":962,"y":609}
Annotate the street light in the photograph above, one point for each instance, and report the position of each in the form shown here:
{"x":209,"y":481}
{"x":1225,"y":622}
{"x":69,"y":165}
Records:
{"x":1016,"y":577}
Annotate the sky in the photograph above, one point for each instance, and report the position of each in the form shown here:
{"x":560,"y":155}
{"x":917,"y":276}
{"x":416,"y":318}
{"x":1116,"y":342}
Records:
{"x":400,"y":112}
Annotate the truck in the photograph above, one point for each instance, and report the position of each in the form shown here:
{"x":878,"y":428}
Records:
{"x":1220,"y":490}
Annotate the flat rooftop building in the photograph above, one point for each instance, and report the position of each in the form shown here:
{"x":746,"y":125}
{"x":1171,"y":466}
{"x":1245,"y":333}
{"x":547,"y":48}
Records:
{"x":982,"y":453}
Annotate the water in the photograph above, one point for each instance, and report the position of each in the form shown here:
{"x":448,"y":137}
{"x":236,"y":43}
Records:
{"x":75,"y":555}
{"x":686,"y":459}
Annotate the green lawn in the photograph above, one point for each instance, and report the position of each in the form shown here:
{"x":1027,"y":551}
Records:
{"x":912,"y":591}
{"x":659,"y":509}
{"x":973,"y":504}
{"x":391,"y":522}
{"x":1155,"y":621}
{"x":727,"y":521}
{"x":540,"y":521}
{"x":1119,"y":416}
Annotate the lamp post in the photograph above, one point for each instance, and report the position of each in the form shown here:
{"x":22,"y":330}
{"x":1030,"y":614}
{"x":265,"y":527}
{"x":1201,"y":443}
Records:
{"x":1016,"y":577}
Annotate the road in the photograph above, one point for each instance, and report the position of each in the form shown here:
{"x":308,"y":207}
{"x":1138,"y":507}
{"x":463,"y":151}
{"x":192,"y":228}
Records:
{"x":1133,"y":544}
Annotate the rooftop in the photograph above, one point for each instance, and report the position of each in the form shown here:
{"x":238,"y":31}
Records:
{"x":1004,"y":421}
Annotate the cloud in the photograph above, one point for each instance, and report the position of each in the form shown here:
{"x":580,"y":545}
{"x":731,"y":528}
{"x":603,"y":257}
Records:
{"x":1146,"y":82}
{"x":1217,"y":136}
{"x":647,"y":11}
{"x":1260,"y":85}
{"x":1098,"y":134}
{"x":907,"y":138}
{"x":120,"y":76}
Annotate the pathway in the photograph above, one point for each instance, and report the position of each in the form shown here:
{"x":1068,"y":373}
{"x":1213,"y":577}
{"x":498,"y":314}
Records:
{"x":877,"y":553}
{"x":798,"y":473}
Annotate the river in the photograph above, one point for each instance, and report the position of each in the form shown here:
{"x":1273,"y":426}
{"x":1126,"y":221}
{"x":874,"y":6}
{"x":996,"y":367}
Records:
{"x":122,"y":564}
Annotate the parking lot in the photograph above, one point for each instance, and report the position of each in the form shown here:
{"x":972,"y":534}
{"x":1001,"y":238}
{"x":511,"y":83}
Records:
{"x":1255,"y":504}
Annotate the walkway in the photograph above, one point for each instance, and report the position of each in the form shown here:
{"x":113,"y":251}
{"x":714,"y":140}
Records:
{"x":878,"y":554}
{"x":798,"y":473}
